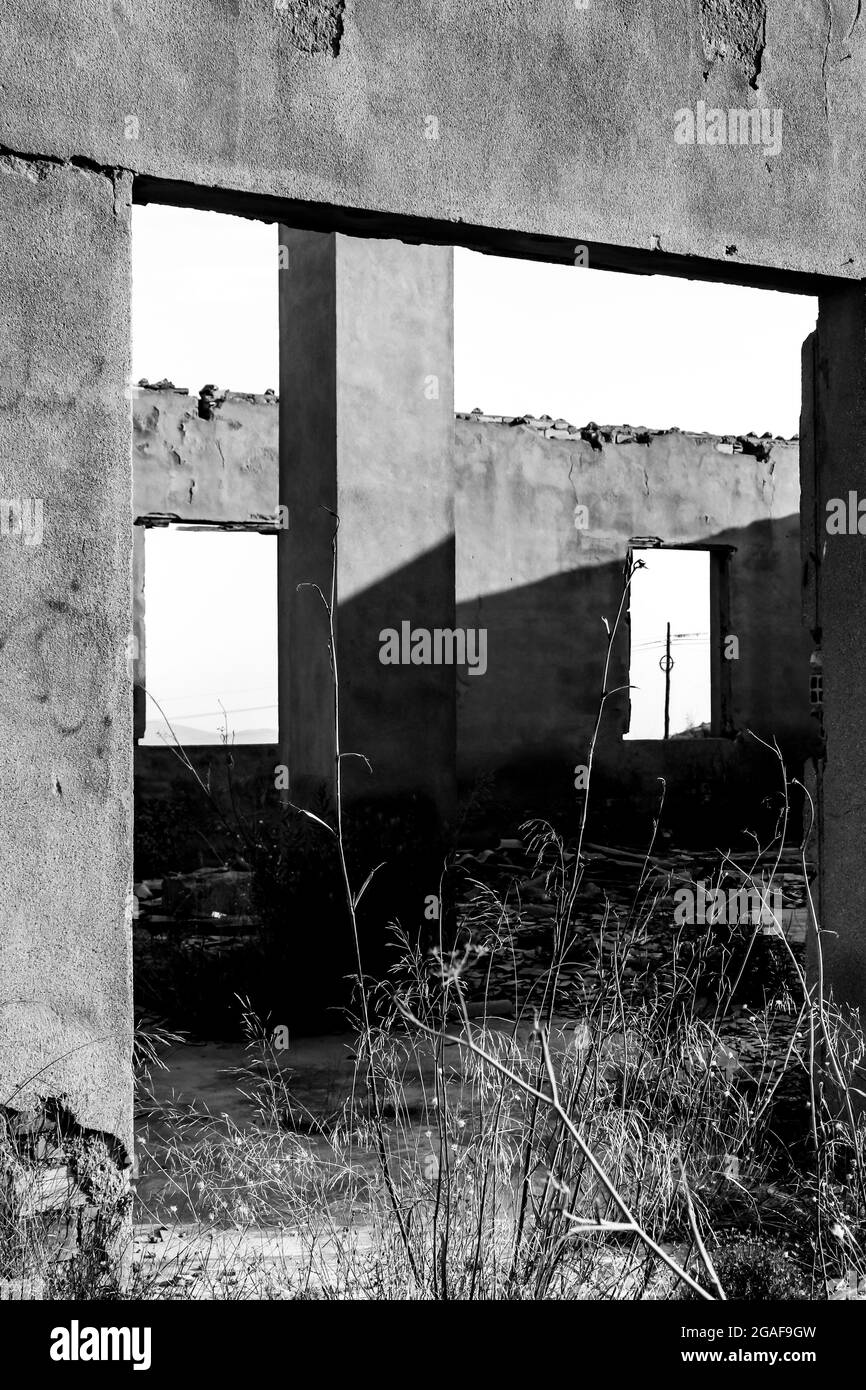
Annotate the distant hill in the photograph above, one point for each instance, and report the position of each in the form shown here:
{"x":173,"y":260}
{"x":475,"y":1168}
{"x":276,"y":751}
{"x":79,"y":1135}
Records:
{"x":188,"y":734}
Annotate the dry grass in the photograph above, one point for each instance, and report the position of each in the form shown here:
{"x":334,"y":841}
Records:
{"x":603,"y":1148}
{"x":607,"y":1144}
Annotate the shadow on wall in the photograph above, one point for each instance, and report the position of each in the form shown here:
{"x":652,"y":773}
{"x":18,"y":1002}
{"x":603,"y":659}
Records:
{"x":513,"y":735}
{"x":403,"y":718}
{"x":517,"y":731}
{"x":526,"y":724}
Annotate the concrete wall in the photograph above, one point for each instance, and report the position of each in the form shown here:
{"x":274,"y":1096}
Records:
{"x":535,"y":117}
{"x":65,"y":719}
{"x":550,"y":118}
{"x":222,"y":469}
{"x":540,"y":588}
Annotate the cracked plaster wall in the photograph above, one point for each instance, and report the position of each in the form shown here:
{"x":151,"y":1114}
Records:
{"x":221,"y":469}
{"x":568,"y":111}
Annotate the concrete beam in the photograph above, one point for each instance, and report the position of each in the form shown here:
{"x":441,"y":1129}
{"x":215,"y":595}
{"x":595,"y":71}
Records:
{"x":549,"y":118}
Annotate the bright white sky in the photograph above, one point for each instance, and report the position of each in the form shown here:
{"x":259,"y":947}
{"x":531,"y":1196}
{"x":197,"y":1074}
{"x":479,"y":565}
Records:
{"x":210,"y":653}
{"x":529,"y":339}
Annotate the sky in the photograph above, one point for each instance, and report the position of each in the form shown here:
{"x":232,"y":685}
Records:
{"x":210,"y":654}
{"x":530,"y":338}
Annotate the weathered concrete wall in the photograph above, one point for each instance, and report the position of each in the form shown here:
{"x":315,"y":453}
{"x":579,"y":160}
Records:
{"x":65,"y":714}
{"x":546,"y":117}
{"x":531,"y":116}
{"x":223,"y":469}
{"x":541,"y":588}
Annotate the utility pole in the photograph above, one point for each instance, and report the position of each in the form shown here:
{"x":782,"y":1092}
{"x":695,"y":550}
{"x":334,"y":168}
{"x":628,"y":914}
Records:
{"x":668,"y":664}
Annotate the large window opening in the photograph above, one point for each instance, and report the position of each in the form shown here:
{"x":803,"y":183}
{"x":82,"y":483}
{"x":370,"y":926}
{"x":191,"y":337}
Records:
{"x":581,"y":345}
{"x":205,"y":366}
{"x":594,"y":415}
{"x":604,"y":414}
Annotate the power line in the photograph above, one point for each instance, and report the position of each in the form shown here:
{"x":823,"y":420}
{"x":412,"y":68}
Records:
{"x":685,"y":639}
{"x":197,"y":694}
{"x":207,"y":713}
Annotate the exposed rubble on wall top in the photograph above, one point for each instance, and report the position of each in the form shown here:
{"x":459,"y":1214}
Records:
{"x":211,"y":398}
{"x":599,"y":435}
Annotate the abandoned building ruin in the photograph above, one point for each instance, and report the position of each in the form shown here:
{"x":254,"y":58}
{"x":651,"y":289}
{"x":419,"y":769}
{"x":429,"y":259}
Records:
{"x":357,"y":127}
{"x":537,"y":585}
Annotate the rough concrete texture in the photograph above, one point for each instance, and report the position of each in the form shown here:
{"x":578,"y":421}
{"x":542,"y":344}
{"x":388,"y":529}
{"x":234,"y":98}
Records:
{"x":65,"y":726}
{"x":551,"y":118}
{"x":735,"y":31}
{"x":221,"y":469}
{"x":316,"y":26}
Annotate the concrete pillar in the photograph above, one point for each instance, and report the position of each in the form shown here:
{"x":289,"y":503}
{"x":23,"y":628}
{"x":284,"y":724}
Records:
{"x":366,"y":434}
{"x":835,"y":573}
{"x":138,"y":654}
{"x":65,"y":617}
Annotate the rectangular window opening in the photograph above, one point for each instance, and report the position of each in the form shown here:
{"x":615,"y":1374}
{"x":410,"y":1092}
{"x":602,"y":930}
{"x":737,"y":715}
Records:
{"x":674,"y":622}
{"x":211,"y":636}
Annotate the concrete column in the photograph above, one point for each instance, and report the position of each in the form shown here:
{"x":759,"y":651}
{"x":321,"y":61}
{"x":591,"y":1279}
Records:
{"x":366,"y":434}
{"x":138,"y":654}
{"x":836,"y":609}
{"x":65,"y":617}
